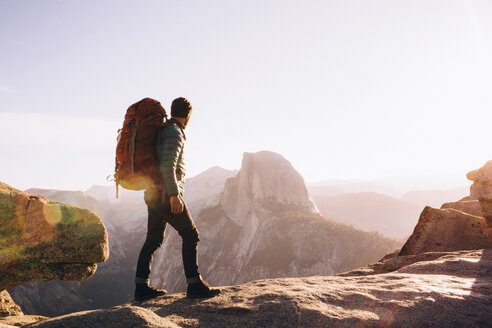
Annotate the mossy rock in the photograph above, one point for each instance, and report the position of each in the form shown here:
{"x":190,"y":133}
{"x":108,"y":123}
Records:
{"x":43,"y":240}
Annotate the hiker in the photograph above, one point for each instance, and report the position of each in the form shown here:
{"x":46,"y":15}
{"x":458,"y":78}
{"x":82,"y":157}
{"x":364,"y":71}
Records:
{"x":166,"y":205}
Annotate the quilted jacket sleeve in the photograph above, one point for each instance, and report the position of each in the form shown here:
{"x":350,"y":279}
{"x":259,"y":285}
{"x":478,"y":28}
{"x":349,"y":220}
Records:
{"x":171,"y":159}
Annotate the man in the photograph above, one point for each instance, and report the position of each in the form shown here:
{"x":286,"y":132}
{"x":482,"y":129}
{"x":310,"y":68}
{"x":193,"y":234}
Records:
{"x":166,"y":205}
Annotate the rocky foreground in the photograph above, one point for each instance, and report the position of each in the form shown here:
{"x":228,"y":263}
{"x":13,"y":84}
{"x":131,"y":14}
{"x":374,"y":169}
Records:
{"x":449,"y":289}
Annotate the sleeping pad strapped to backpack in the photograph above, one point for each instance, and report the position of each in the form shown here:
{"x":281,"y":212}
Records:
{"x":136,"y":163}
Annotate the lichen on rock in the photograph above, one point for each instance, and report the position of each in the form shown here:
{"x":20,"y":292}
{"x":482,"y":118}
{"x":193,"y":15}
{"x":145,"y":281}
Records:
{"x":44,"y":240}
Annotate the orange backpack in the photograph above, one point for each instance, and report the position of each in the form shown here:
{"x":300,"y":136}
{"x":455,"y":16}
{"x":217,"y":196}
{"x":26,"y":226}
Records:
{"x":136,"y":165}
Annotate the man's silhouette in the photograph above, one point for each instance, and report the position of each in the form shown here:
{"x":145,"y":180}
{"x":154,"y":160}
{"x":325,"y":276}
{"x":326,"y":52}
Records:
{"x":166,"y":205}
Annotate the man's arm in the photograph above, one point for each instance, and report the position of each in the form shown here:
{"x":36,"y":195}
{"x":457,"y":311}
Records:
{"x":171,"y":145}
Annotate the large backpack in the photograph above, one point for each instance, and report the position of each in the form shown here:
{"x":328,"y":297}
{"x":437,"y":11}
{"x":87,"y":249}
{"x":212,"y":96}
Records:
{"x":136,"y":166}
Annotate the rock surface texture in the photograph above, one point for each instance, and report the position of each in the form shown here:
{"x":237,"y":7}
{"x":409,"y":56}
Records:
{"x":44,"y":240}
{"x":451,"y":290}
{"x":448,"y":230}
{"x":8,"y":306}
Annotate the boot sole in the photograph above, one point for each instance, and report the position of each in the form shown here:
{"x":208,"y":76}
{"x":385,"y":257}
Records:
{"x":203,"y":295}
{"x":148,"y":297}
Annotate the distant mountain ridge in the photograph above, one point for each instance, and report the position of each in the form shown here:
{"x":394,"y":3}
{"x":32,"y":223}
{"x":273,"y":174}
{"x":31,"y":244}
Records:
{"x":371,"y":211}
{"x":435,"y":198}
{"x":351,"y":186}
{"x":375,"y":207}
{"x":395,"y":187}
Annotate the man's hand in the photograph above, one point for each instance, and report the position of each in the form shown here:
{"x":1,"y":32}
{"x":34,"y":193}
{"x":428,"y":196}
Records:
{"x":176,"y":204}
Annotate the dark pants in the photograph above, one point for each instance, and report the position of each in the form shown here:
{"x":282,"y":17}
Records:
{"x":159,"y":216}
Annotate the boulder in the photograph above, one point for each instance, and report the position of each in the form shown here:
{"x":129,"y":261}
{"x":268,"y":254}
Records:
{"x":43,"y":240}
{"x":11,"y":314}
{"x":8,"y":306}
{"x":392,"y":262}
{"x":440,"y":230}
{"x":481,"y":189}
{"x":117,"y":317}
{"x":482,"y":182}
{"x":472,"y":207}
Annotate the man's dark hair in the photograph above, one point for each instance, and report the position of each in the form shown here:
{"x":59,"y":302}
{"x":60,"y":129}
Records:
{"x":180,"y":107}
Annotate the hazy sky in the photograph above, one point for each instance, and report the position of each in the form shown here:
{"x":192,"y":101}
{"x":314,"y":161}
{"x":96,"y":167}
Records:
{"x":343,"y":89}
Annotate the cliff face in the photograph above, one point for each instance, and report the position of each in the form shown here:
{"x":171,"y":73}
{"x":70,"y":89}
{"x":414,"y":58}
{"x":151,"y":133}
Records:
{"x":265,"y":177}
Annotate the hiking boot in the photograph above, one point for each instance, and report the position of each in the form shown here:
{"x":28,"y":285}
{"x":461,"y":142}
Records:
{"x":201,"y":290}
{"x":145,"y":292}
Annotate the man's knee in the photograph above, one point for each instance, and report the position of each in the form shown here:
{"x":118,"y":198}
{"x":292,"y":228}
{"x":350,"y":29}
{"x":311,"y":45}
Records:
{"x":154,"y":240}
{"x":191,"y":235}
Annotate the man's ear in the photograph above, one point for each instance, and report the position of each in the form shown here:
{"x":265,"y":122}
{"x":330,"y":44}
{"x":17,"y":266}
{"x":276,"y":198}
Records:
{"x":188,"y":117}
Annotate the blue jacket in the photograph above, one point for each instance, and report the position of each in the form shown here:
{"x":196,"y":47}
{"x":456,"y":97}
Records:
{"x":171,"y":159}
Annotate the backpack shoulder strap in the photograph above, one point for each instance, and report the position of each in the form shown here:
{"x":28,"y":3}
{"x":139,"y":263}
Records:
{"x":173,"y":123}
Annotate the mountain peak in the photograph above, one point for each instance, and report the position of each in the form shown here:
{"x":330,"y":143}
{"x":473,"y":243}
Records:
{"x":265,"y":176}
{"x":264,"y":157}
{"x":203,"y":189}
{"x":211,"y":173}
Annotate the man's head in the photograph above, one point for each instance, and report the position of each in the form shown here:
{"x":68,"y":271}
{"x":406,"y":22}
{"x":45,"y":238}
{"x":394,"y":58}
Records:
{"x":181,"y":110}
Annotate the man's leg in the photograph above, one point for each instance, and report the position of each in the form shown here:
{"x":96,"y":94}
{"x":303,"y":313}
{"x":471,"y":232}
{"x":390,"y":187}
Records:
{"x":183,"y":223}
{"x":156,"y":227}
